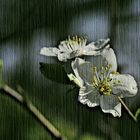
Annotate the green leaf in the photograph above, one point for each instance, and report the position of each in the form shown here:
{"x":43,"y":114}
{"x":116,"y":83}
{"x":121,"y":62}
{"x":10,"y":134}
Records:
{"x":54,"y":72}
{"x":137,"y":113}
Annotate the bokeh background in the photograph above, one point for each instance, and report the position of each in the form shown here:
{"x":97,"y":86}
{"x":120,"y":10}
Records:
{"x":28,"y":25}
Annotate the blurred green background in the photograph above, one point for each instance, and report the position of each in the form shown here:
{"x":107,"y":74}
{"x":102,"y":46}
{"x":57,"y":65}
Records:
{"x":28,"y":25}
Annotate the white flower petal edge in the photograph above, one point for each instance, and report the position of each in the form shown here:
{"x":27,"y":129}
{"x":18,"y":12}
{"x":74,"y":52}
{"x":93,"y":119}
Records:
{"x":96,"y":48}
{"x":110,"y":104}
{"x":109,"y":58}
{"x":89,"y":96}
{"x":74,"y":65}
{"x":83,"y":69}
{"x":49,"y":51}
{"x":123,"y":85}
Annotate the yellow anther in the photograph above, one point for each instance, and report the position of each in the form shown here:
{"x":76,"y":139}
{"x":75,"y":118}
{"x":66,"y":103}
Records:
{"x":110,"y":65}
{"x":107,"y":93}
{"x":105,"y":87}
{"x":102,"y":83}
{"x":79,"y":39}
{"x":115,"y":72}
{"x":95,"y":81}
{"x":119,"y":81}
{"x":75,"y":40}
{"x":106,"y":68}
{"x":95,"y":69}
{"x":102,"y":89}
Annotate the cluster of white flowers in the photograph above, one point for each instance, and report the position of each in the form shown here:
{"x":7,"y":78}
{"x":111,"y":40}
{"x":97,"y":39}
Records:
{"x":99,"y":84}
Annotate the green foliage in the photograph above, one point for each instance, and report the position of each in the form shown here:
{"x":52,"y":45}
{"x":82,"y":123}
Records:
{"x":137,"y":113}
{"x":68,"y":129}
{"x":89,"y":137}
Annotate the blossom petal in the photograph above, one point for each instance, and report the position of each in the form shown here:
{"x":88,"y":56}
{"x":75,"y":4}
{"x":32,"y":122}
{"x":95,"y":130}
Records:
{"x":90,"y":50}
{"x":110,"y":104}
{"x":65,"y":47}
{"x":109,"y":57}
{"x":89,"y":95}
{"x":67,"y":51}
{"x":83,"y":70}
{"x":63,"y":56}
{"x":123,"y":85}
{"x":95,"y":48}
{"x":50,"y":51}
{"x":75,"y":66}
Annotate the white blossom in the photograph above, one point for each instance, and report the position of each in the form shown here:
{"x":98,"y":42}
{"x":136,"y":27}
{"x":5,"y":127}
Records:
{"x":103,"y":85}
{"x":75,"y":47}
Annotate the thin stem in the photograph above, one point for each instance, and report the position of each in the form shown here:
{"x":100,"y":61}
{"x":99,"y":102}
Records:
{"x":43,"y":120}
{"x":128,"y":110}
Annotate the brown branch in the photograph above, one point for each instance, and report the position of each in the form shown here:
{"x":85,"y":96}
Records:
{"x":31,"y":108}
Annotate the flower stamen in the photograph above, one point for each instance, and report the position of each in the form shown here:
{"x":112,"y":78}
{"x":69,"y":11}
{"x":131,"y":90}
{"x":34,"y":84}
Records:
{"x":102,"y":83}
{"x":95,"y":71}
{"x":76,"y":41}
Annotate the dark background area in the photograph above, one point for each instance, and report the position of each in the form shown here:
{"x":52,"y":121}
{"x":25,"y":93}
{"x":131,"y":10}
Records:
{"x":27,"y":26}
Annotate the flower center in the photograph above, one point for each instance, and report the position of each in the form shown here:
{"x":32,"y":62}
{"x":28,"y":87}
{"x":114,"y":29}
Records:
{"x":102,"y":82}
{"x":104,"y":87}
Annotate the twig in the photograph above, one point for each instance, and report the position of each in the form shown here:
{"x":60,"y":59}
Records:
{"x":43,"y":120}
{"x":128,"y":110}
